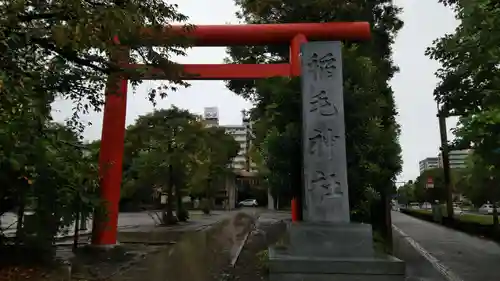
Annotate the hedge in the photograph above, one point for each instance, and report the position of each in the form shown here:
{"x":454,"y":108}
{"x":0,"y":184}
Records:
{"x":471,"y":224}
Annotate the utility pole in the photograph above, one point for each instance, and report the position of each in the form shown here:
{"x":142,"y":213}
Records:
{"x":446,"y":161}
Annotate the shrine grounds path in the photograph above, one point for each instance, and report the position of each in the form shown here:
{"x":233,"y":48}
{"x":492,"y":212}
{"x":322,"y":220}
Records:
{"x":456,"y":255}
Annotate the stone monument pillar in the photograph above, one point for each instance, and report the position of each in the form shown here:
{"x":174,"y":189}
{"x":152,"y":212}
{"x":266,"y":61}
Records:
{"x":325,"y":167}
{"x":326,"y":245}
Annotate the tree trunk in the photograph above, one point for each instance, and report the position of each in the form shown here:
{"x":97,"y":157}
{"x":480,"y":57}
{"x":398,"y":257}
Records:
{"x":168,"y":216}
{"x":20,"y":218}
{"x":495,"y":218}
{"x":76,"y":233}
{"x":83,"y":221}
{"x":270,"y":200}
{"x":386,"y":200}
{"x":207,"y":204}
{"x":181,"y":212}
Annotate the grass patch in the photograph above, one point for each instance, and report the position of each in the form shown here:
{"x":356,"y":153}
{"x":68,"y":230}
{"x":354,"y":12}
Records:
{"x":480,"y":219}
{"x":424,"y":212}
{"x":478,"y":225}
{"x":484,"y":220}
{"x":263,"y":260}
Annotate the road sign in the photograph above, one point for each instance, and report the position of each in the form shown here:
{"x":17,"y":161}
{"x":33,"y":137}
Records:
{"x":430,"y":183}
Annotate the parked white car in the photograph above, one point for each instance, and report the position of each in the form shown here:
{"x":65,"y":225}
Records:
{"x":426,"y":206}
{"x":248,"y":203}
{"x":415,"y":206}
{"x":486,"y":209}
{"x":457,"y":210}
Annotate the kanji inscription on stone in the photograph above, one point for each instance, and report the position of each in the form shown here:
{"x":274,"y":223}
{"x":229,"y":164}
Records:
{"x":321,"y":104}
{"x":322,"y":65}
{"x":326,"y":185}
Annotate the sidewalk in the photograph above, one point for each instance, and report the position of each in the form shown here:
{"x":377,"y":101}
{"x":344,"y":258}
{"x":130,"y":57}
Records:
{"x":154,"y":234}
{"x":418,"y":267}
{"x":456,"y":255}
{"x":126,"y":221}
{"x":70,"y":230}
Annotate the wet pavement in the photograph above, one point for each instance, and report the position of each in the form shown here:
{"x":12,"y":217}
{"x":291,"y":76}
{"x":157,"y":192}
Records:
{"x":199,"y":254}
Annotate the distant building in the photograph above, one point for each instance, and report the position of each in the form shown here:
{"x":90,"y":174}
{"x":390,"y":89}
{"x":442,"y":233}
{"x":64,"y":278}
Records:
{"x":428,"y":163}
{"x":211,"y":116}
{"x":240,"y":134}
{"x":458,"y":158}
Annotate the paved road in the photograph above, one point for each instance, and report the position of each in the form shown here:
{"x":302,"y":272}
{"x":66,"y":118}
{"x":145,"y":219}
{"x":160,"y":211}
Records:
{"x":466,"y":257}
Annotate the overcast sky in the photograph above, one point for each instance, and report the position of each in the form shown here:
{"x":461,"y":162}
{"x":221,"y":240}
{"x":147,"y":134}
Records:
{"x":424,"y":20}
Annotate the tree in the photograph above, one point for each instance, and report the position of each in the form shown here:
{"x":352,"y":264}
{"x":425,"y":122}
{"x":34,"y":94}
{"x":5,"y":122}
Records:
{"x":469,"y":80}
{"x":215,"y":153}
{"x":52,"y":178}
{"x":173,"y":152}
{"x":425,"y":194}
{"x":66,"y":49}
{"x":53,"y":45}
{"x":469,"y":75}
{"x":406,"y":193}
{"x":372,"y":132}
{"x":159,"y":142}
{"x":476,"y":181}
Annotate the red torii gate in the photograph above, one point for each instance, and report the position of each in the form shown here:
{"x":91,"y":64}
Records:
{"x":113,"y":130}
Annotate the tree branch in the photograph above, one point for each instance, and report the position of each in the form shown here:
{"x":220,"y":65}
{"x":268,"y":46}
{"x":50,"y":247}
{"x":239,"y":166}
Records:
{"x":68,"y":54}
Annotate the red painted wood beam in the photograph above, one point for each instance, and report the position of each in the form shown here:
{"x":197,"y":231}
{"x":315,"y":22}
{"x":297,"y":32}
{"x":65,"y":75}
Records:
{"x":223,"y":71}
{"x":261,"y":34}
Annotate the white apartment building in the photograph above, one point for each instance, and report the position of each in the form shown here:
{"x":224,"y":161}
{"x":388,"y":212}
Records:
{"x":458,"y":158}
{"x":239,"y":132}
{"x":428,"y":163}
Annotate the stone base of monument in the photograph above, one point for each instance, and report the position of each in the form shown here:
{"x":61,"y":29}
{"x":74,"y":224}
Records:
{"x":340,"y":252}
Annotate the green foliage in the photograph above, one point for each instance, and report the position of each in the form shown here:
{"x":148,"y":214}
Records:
{"x":478,"y":182}
{"x":63,"y":47}
{"x":424,"y":194}
{"x":172,"y":149}
{"x":406,"y":193}
{"x":469,"y":74}
{"x":372,"y":132}
{"x":66,"y":49}
{"x":205,"y":206}
{"x":214,"y":155}
{"x":263,"y":260}
{"x":51,"y":176}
